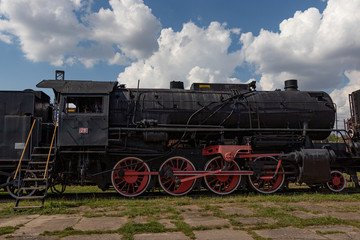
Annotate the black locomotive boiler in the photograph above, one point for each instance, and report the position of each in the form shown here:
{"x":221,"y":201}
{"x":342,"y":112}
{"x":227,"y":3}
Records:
{"x":223,"y":137}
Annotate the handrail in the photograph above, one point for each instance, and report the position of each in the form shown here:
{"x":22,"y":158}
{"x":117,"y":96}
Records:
{"x":52,"y":142}
{"x":22,"y":155}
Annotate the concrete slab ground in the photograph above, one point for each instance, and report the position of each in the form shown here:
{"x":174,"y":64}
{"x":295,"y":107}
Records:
{"x":46,"y":223}
{"x":161,"y":236}
{"x":306,"y":215}
{"x":223,"y":234}
{"x":254,"y":220}
{"x":94,"y":237}
{"x":27,"y":237}
{"x":338,"y":236}
{"x":229,"y":210}
{"x":167,"y":223}
{"x":288,"y":233}
{"x":234,"y":221}
{"x":18,"y":220}
{"x":100,"y":223}
{"x":197,"y":219}
{"x":346,"y":215}
{"x":337,"y":228}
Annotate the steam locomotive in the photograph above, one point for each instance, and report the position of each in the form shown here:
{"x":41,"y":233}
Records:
{"x":223,"y":137}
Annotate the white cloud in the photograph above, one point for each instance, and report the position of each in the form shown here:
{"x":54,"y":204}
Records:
{"x":315,"y":48}
{"x":311,"y":46}
{"x":64,"y":31}
{"x":193,"y":54}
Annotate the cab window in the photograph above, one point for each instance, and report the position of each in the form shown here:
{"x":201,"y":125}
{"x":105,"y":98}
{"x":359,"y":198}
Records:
{"x":83,"y":105}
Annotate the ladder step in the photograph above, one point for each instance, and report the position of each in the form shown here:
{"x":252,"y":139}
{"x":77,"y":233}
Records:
{"x":40,"y":162}
{"x":34,"y":170}
{"x":30,"y":197}
{"x":41,"y":154}
{"x":34,"y":188}
{"x":33,"y":179}
{"x":43,"y":148}
{"x":27,"y":207}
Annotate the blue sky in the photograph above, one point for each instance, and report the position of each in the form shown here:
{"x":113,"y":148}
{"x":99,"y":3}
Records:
{"x":157,"y":41}
{"x":17,"y":72}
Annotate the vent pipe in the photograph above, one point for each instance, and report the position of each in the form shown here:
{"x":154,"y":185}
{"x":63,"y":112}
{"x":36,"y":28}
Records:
{"x":59,"y":75}
{"x":291,"y":85}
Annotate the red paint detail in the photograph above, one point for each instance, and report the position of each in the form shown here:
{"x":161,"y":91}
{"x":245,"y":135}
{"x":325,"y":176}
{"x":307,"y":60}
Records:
{"x":230,"y":152}
{"x":336,"y":181}
{"x":277,"y":167}
{"x":83,"y":130}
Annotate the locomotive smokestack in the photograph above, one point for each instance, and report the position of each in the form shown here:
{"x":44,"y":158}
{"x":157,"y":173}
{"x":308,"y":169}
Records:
{"x":291,"y":85}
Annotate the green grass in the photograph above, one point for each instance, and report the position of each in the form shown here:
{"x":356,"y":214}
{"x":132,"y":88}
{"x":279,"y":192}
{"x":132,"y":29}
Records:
{"x":329,"y":232}
{"x":7,"y":230}
{"x":158,"y":206}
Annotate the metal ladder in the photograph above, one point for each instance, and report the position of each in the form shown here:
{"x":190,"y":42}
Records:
{"x":34,"y":179}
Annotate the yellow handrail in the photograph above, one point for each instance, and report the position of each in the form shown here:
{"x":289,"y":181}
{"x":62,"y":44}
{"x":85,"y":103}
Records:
{"x":22,"y":155}
{"x":52,"y":142}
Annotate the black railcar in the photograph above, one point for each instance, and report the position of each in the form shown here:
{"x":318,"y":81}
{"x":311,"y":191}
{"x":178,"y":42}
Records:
{"x":18,"y":110}
{"x":353,"y":124}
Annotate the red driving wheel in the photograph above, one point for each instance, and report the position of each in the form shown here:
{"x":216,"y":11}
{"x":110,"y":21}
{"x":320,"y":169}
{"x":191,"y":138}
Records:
{"x":218,"y":183}
{"x":129,"y":177}
{"x":169,"y":183}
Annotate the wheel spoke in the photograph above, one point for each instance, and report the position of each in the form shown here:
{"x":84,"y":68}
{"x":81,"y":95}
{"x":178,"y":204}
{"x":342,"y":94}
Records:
{"x":182,"y":164}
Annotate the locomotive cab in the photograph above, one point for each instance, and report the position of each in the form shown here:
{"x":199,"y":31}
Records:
{"x":83,"y":120}
{"x":83,"y":111}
